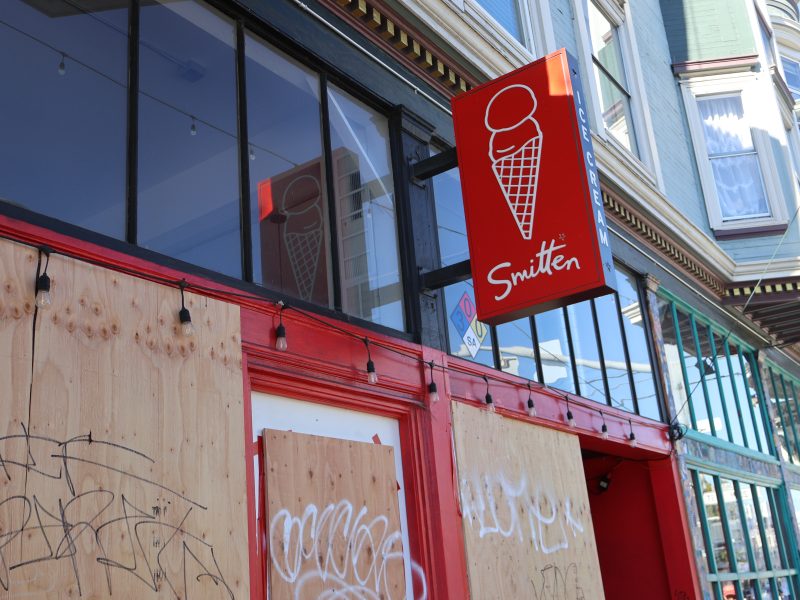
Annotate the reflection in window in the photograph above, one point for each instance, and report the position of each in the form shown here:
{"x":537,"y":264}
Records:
{"x":770,"y":531}
{"x":188,"y":148}
{"x":723,"y":382}
{"x":554,"y":350}
{"x":609,"y":71}
{"x":791,"y":68}
{"x":753,"y":526}
{"x":450,"y":221}
{"x":61,"y":61}
{"x":505,"y":12}
{"x":587,"y":355}
{"x":369,"y":260}
{"x":288,"y":200}
{"x":748,"y":401}
{"x":714,"y":520}
{"x":468,"y":337}
{"x":735,"y":525}
{"x":782,"y":424}
{"x":614,"y":359}
{"x":515,"y":344}
{"x":734,"y":161}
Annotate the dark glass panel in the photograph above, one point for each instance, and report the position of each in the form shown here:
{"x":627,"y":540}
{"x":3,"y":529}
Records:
{"x":63,"y":104}
{"x":288,"y":197}
{"x":450,"y":220}
{"x":188,"y":143}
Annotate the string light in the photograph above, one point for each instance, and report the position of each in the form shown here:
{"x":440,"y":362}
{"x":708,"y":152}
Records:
{"x":433,"y":393}
{"x":632,"y":436}
{"x":251,"y":153}
{"x":184,"y":316}
{"x":193,"y":128}
{"x":372,"y":376}
{"x":531,"y":405}
{"x":43,"y":298}
{"x":570,"y":419}
{"x":62,"y":67}
{"x":488,"y":397}
{"x":280,"y":331}
{"x":604,"y":428}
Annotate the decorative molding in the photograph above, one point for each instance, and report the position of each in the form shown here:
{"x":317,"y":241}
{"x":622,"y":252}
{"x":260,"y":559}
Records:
{"x":389,"y":30}
{"x":719,"y":65}
{"x":622,"y":212}
{"x":745,"y":232}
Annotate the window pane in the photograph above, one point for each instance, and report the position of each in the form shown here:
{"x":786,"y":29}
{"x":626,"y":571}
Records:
{"x":551,"y":331}
{"x":791,"y":69}
{"x":516,"y":348}
{"x":707,"y":369}
{"x":749,"y":590}
{"x":188,"y":149}
{"x":450,"y":221}
{"x":723,"y":379}
{"x":694,"y":371}
{"x":735,"y":525}
{"x":616,"y":108}
{"x":605,"y":44}
{"x":739,"y":186}
{"x":468,"y":337}
{"x":288,"y":199}
{"x":724,"y":126}
{"x":748,"y":503}
{"x":506,"y":13}
{"x":738,"y":381}
{"x":769,"y":527}
{"x":774,"y":390}
{"x":614,"y":353}
{"x":785,"y":589}
{"x":697,"y":525}
{"x":367,"y":225}
{"x":634,"y":323}
{"x":714,"y":519}
{"x":752,"y":389}
{"x":46,"y":108}
{"x":678,"y":379}
{"x":587,"y":356}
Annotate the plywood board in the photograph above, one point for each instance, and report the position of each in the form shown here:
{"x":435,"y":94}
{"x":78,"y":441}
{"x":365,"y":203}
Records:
{"x":130,"y":480}
{"x":334,"y":519}
{"x":527,"y":526}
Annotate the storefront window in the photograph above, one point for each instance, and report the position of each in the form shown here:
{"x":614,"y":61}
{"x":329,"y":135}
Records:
{"x":61,"y":61}
{"x":587,"y":355}
{"x":369,"y":259}
{"x":450,"y":221}
{"x":288,"y":197}
{"x":188,"y":141}
{"x":614,"y":358}
{"x":516,"y":348}
{"x":468,"y":337}
{"x":554,"y":350}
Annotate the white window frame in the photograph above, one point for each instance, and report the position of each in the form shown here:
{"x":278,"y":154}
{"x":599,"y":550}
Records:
{"x":619,"y":14}
{"x":535,"y":24}
{"x":747,"y":86}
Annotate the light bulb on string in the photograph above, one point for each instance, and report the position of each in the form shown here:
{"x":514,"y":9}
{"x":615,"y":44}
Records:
{"x":488,"y":397}
{"x":570,"y":418}
{"x":193,"y":128}
{"x":604,"y":428}
{"x":632,"y":436}
{"x":251,"y":153}
{"x":62,"y":66}
{"x":433,"y":393}
{"x":531,"y":405}
{"x":280,"y":331}
{"x":184,"y":316}
{"x":372,"y":375}
{"x":43,"y":298}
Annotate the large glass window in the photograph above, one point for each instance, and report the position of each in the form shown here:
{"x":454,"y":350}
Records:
{"x":369,"y":260}
{"x":450,"y":221}
{"x":781,"y":391}
{"x":63,"y":111}
{"x":555,"y":351}
{"x":516,"y":348}
{"x":468,"y":337}
{"x":712,"y":378}
{"x":188,"y":142}
{"x":733,"y":157}
{"x":746,"y":546}
{"x":288,"y":199}
{"x":609,"y":72}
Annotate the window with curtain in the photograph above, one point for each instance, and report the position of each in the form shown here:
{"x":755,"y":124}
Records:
{"x":609,"y":73}
{"x":733,"y":157}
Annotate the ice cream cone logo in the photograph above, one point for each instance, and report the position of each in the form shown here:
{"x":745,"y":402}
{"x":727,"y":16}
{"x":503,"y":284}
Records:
{"x":515,"y":148}
{"x":302,"y":234}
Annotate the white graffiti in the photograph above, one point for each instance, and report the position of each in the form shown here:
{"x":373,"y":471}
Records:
{"x":341,"y":554}
{"x":514,"y":510}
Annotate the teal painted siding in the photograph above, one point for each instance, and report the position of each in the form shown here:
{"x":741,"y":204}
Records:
{"x":564,"y":30}
{"x":707,"y":29}
{"x":667,"y":113}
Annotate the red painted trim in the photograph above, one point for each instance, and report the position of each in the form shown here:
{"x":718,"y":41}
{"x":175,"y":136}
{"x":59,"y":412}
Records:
{"x":251,"y":452}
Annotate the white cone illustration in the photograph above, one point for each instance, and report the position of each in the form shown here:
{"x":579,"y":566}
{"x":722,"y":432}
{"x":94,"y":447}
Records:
{"x":302,"y":234}
{"x":515,"y":148}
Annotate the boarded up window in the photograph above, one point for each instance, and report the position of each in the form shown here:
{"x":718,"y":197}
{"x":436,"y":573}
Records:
{"x":527,"y":526}
{"x":122,"y":465}
{"x":334,"y":519}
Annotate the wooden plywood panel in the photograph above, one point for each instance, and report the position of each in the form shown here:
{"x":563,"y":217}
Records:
{"x":334,"y":519}
{"x":527,"y":526}
{"x":135,"y":486}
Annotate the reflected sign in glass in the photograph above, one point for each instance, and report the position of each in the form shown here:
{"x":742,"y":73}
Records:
{"x":465,"y":319}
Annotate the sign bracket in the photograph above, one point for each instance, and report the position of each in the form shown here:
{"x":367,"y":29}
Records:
{"x":435,"y":165}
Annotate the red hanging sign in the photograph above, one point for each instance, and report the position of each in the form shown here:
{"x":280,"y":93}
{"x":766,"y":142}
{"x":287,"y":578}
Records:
{"x":535,"y":221}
